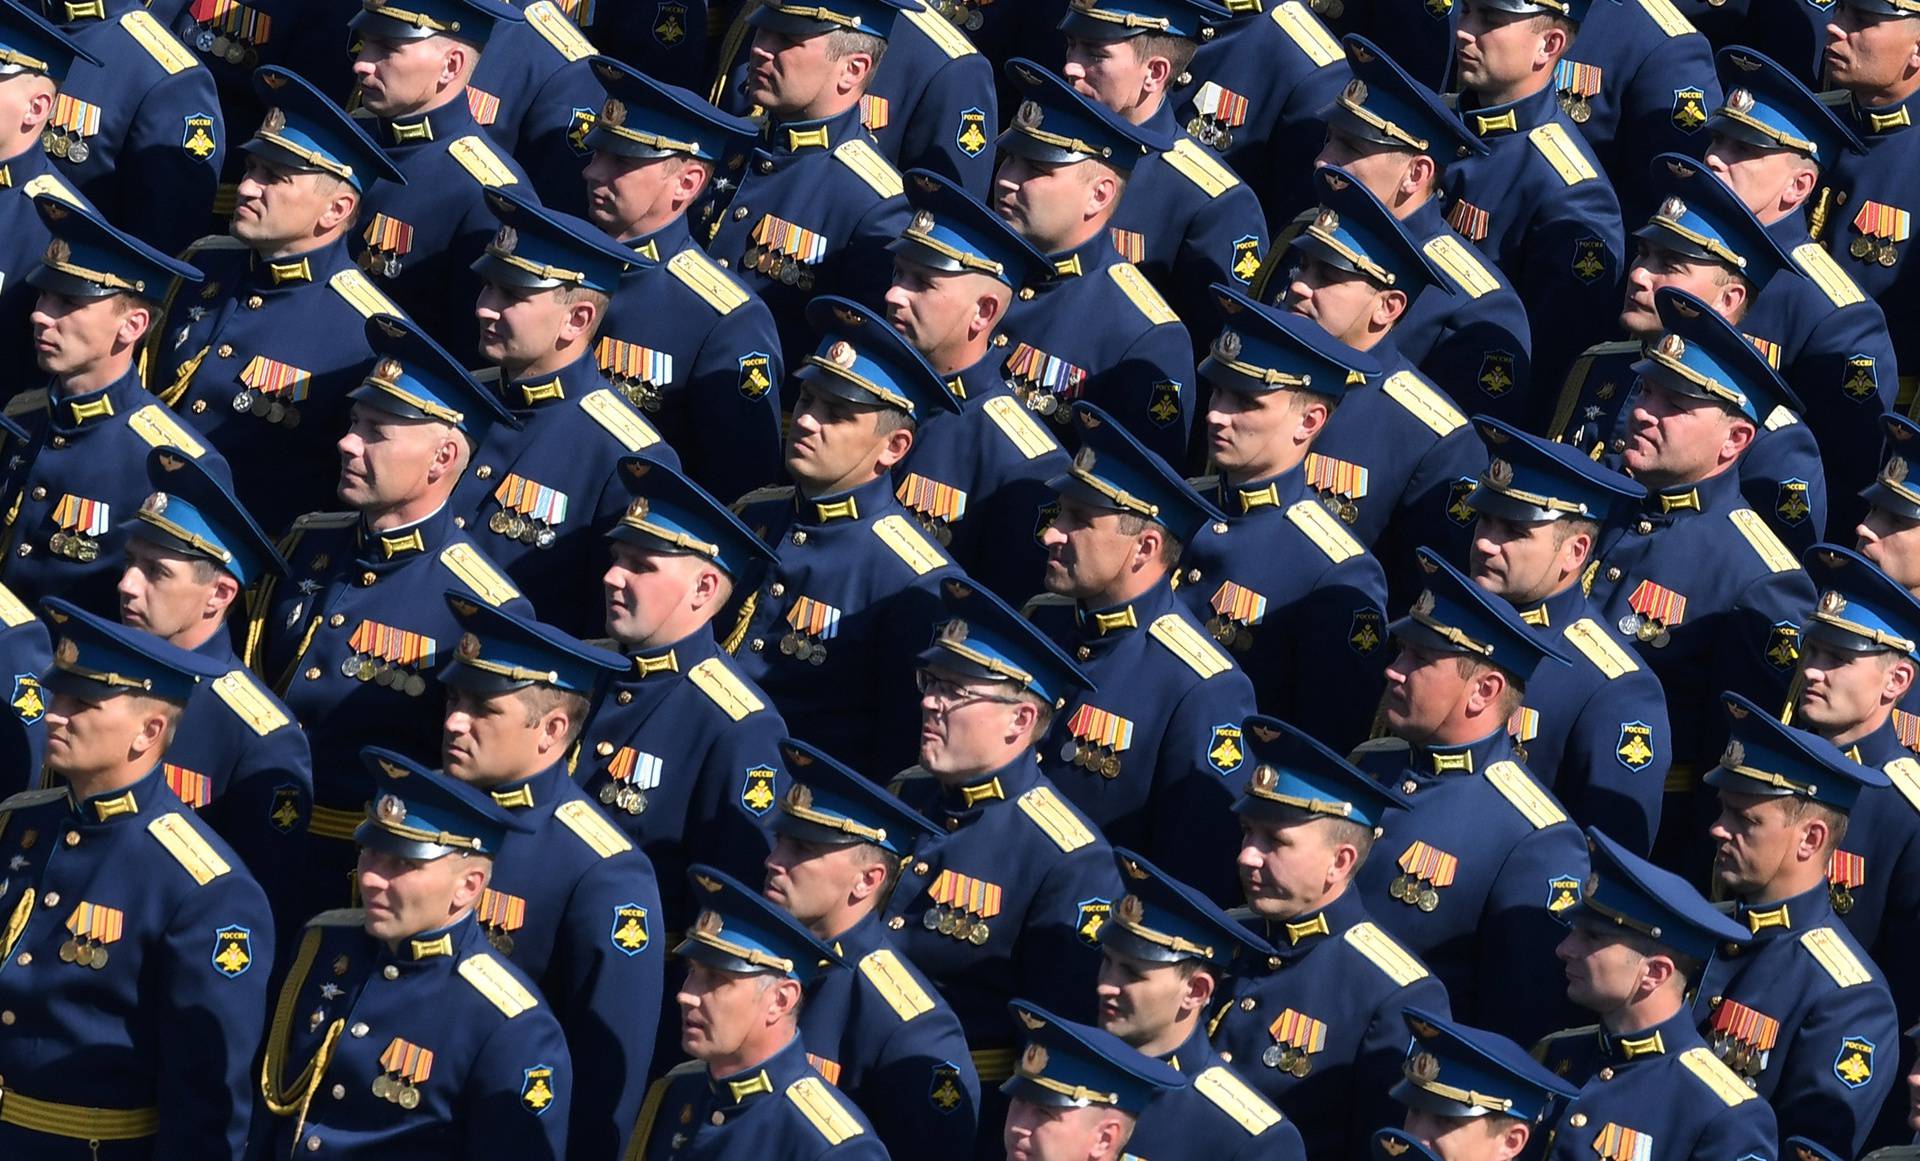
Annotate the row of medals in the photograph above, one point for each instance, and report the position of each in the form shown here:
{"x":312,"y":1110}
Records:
{"x":380,"y":262}
{"x":74,"y":546}
{"x":1414,"y":892}
{"x":1209,"y":132}
{"x":264,"y":406}
{"x":1646,"y":629}
{"x":1288,"y":1059}
{"x":362,"y":667}
{"x":66,"y":146}
{"x":960,"y":14}
{"x":1039,"y":399}
{"x":640,"y":394}
{"x":84,"y":952}
{"x":1231,"y":633}
{"x":957,"y":924}
{"x":624,"y":797}
{"x":787,"y":270}
{"x":1743,"y":1058}
{"x":388,"y":1087}
{"x":1094,"y":759}
{"x":218,"y":44}
{"x":1577,"y":108}
{"x":525,"y":529}
{"x":801,"y":646}
{"x":1879,"y":249}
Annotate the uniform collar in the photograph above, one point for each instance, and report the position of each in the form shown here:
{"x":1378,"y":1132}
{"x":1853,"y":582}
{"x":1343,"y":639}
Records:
{"x":1670,"y":1037}
{"x":1495,"y":123}
{"x":867,"y":934}
{"x":540,"y":791}
{"x":1472,"y":758}
{"x":980,"y":382}
{"x":73,"y":414}
{"x":1163,"y":122}
{"x":1791,"y":230}
{"x":768,"y":1078}
{"x":573,"y":381}
{"x":138,"y":801}
{"x":1260,"y":497}
{"x":29,"y":163}
{"x":284,"y":275}
{"x":1106,"y":626}
{"x":1886,"y":120}
{"x":1088,"y":258}
{"x":658,"y":663}
{"x":1003,"y":785}
{"x":799,"y":138}
{"x":663,"y":243}
{"x":1195,"y":1055}
{"x":1792,"y":916}
{"x":443,"y":124}
{"x":1713,"y":494}
{"x":1881,"y":746}
{"x":867,"y":502}
{"x":439,"y":946}
{"x":398,"y":546}
{"x":1297,"y":937}
{"x":1557,"y":611}
{"x":1427,"y":222}
{"x":217,"y":648}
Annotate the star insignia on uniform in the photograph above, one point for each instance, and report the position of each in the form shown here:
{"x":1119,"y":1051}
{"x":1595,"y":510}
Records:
{"x":196,"y":312}
{"x":722,"y":184}
{"x":17,"y":862}
{"x":331,"y":990}
{"x":1593,"y":412}
{"x":309,"y":586}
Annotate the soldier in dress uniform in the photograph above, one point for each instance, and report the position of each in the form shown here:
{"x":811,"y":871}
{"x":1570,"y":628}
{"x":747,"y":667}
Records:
{"x":682,"y":748}
{"x":1889,"y":534}
{"x":1010,"y":900}
{"x":109,"y":875}
{"x":750,"y":1093}
{"x":1316,"y":1026}
{"x":137,"y":126}
{"x":874,"y":1025}
{"x":1704,"y":241}
{"x":1801,"y":1013}
{"x":535,"y":93}
{"x":29,"y":89}
{"x":1473,"y":1095}
{"x":1166,"y":955}
{"x":239,"y":759}
{"x":977,"y":479}
{"x":809,"y":210}
{"x":1697,"y":580}
{"x":1474,"y":872}
{"x":1187,"y":220}
{"x":1638,"y":941}
{"x":546,"y":489}
{"x":26,"y":651}
{"x":417,"y":239}
{"x":1468,"y":332}
{"x":1596,"y":729}
{"x":353,"y":636}
{"x":1770,"y":142}
{"x":1079,"y":1093}
{"x":1280,"y":583}
{"x":933,"y":107}
{"x":78,"y":476}
{"x":466,"y":1057}
{"x":1097,"y":330}
{"x":260,"y":356}
{"x":1155,"y":755}
{"x":573,"y":903}
{"x":1537,"y":202}
{"x":1397,"y":459}
{"x":684,"y":339}
{"x":829,"y":637}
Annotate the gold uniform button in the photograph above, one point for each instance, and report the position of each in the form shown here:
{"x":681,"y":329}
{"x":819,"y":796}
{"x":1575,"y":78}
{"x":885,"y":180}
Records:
{"x":26,"y":958}
{"x":1082,"y":653}
{"x":313,"y":1143}
{"x":339,"y":1092}
{"x":759,"y":643}
{"x":799,"y":537}
{"x":26,"y":550}
{"x":1227,"y":1056}
{"x":72,"y":839}
{"x":766,"y":166}
{"x":624,"y":697}
{"x":953,"y":824}
{"x":1247,"y":1004}
{"x":1644,"y":527}
{"x":52,"y":899}
{"x":1604,"y":1074}
{"x":390,"y":972}
{"x":7,"y":1018}
{"x":920,"y":868}
{"x":725,"y":264}
{"x":199,"y":407}
{"x":39,"y":491}
{"x":776,"y":589}
{"x":484,"y":471}
{"x":459,"y":521}
{"x":337,"y":620}
{"x":225,"y":351}
{"x":58,"y":441}
{"x":255,"y":302}
{"x":896,"y":923}
{"x":718,"y":1117}
{"x":359,"y":1030}
{"x":313,"y":673}
{"x":604,"y":749}
{"x":367,"y":578}
{"x":1613,"y":574}
{"x":1577,"y":1120}
{"x":739,"y":213}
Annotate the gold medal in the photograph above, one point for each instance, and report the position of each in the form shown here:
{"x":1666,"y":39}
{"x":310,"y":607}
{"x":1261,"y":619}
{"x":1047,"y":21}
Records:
{"x":497,"y":522}
{"x":1581,"y":112}
{"x":1861,"y":247}
{"x":69,"y":952}
{"x":1301,"y":1066}
{"x":383,"y":1087}
{"x":365,"y":670}
{"x":1886,"y":256}
{"x":98,"y":959}
{"x":1429,"y":899}
{"x":977,"y":935}
{"x":1110,"y":766}
{"x":409,"y":1097}
{"x":1842,"y":898}
{"x":609,"y":792}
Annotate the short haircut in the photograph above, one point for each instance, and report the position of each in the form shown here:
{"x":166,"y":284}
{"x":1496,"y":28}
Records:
{"x":1357,"y":835}
{"x":892,"y":419}
{"x":1177,"y":49}
{"x":1472,"y":667}
{"x":541,"y":700}
{"x":845,"y":42}
{"x":1133,"y":524}
{"x":1798,"y":808}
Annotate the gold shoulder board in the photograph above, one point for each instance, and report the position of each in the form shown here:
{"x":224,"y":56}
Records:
{"x":1834,"y":955}
{"x":650,"y":1107}
{"x":1141,"y":293}
{"x":1591,"y":639}
{"x":1766,"y":545}
{"x":478,"y":159}
{"x":1527,"y":796}
{"x":478,"y":574}
{"x":52,"y":186}
{"x":782,"y":492}
{"x":491,"y":979}
{"x":1426,"y":404}
{"x":820,"y":1104}
{"x":1399,"y":964}
{"x":1780,"y":417}
{"x":580,"y":817}
{"x":1234,"y":1097}
{"x":1725,"y":1082}
{"x":896,"y":533}
{"x":558,"y":31}
{"x":870,"y":167}
{"x":896,"y":984}
{"x":1458,"y":262}
{"x":1667,"y":17}
{"x":316,"y":520}
{"x":1189,"y":645}
{"x":941,"y":32}
{"x":188,"y":848}
{"x":28,"y":798}
{"x":1305,"y":30}
{"x":713,"y":678}
{"x":1817,"y":264}
{"x":361,"y":294}
{"x":1055,"y":817}
{"x":158,"y":427}
{"x":1905,"y":773}
{"x":1325,"y":531}
{"x":249,"y":702}
{"x":1200,"y":167}
{"x":13,"y":611}
{"x":620,"y":421}
{"x":339,"y":917}
{"x":1558,"y":148}
{"x":1011,"y":417}
{"x":701,"y":275}
{"x":159,"y":43}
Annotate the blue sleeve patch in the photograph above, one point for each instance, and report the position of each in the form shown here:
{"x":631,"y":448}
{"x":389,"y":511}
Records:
{"x":756,"y":793}
{"x":1226,"y":750}
{"x":232,"y":951}
{"x":1563,"y":893}
{"x":536,"y":1089}
{"x":1093,"y":916}
{"x":1854,"y":1063}
{"x":629,"y":934}
{"x":1635,"y":746}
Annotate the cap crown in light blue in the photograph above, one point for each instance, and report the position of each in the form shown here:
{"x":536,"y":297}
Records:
{"x":1164,"y":920}
{"x":1766,"y":757}
{"x":435,"y":804}
{"x":1768,"y":106}
{"x":1114,"y":470}
{"x":29,"y":44}
{"x":740,"y":930}
{"x":1054,"y":123}
{"x":862,"y":358}
{"x":1104,"y":20}
{"x":1528,"y":472}
{"x":94,"y":652}
{"x":952,"y":230}
{"x":190,"y":510}
{"x":672,"y":513}
{"x":1700,"y":216}
{"x":1295,"y":775}
{"x":829,"y":797}
{"x":303,"y":127}
{"x":1860,"y":607}
{"x":538,"y":246}
{"x":1449,"y":1058}
{"x":415,"y":377}
{"x":1631,"y":893}
{"x":516,"y":649}
{"x":1354,"y":231}
{"x":643,"y":117}
{"x":1454,"y":614}
{"x":1264,"y":348}
{"x":1069,"y":1065}
{"x":1704,"y":356}
{"x":93,"y":256}
{"x":985,"y":636}
{"x":1385,"y":105}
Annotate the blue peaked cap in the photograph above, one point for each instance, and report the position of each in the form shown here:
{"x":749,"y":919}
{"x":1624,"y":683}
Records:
{"x":1162,"y":920}
{"x":94,"y":658}
{"x":1295,"y":777}
{"x":1531,"y":480}
{"x":501,"y":651}
{"x":1264,"y":348}
{"x":1860,"y":609}
{"x":421,"y":813}
{"x":1703,"y":356}
{"x":739,"y":930}
{"x":305,"y":132}
{"x":1454,"y":615}
{"x":416,"y":378}
{"x":1626,"y":891}
{"x":832,"y":804}
{"x":670,"y":513}
{"x":1767,"y":758}
{"x":191,"y":512}
{"x":1767,"y":106}
{"x":1069,"y":1065}
{"x":1458,"y":1071}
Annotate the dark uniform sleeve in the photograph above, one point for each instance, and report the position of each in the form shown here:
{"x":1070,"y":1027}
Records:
{"x":957,"y":104}
{"x":1613,"y":772}
{"x":1195,"y":783}
{"x":26,"y":652}
{"x":264,"y":813}
{"x":502,"y":1119}
{"x":733,"y":397}
{"x":552,"y":145}
{"x":1432,"y":512}
{"x":1660,"y":114}
{"x":1759,"y":642}
{"x":665,"y":39}
{"x":1383,"y":1052}
{"x":1337,"y":656}
{"x":1570,"y":280}
{"x":722,"y":828}
{"x":1848,"y":375}
{"x":924,"y":1089}
{"x":1525,"y":994}
{"x":170,"y":148}
{"x":1225,"y":243}
{"x":1150,"y":390}
{"x":1781,"y":478}
{"x":866,"y":268}
{"x":1829,"y":1089}
{"x":1058,"y":958}
{"x":1748,"y":1129}
{"x":1486,"y":365}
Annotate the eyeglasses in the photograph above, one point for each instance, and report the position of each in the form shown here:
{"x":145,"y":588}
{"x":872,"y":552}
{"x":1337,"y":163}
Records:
{"x":951,"y":695}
